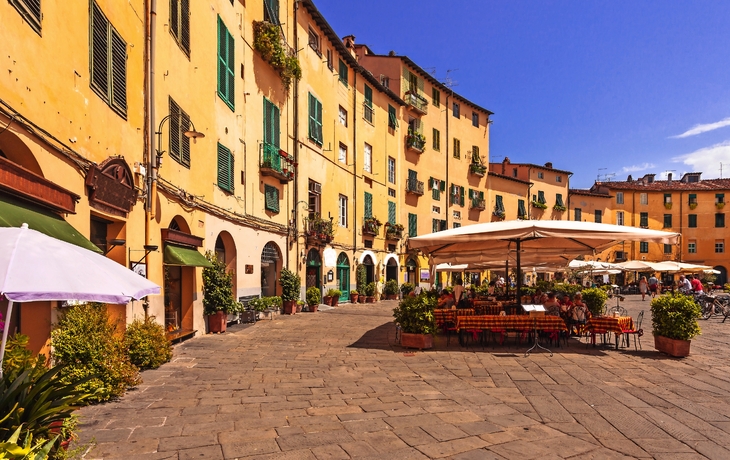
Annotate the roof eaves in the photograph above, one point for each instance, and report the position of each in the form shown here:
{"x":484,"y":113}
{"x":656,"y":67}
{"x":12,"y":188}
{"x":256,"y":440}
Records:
{"x":503,"y":176}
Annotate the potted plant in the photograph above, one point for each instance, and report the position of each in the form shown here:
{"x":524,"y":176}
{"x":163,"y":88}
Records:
{"x":674,"y":323}
{"x":391,"y":290}
{"x":354,"y":296}
{"x":334,"y":294}
{"x":218,"y":298}
{"x":407,"y":288}
{"x":300,"y":306}
{"x":313,"y":298}
{"x":290,"y":285}
{"x":370,"y":292}
{"x":327,"y":298}
{"x":595,"y":299}
{"x":414,"y":314}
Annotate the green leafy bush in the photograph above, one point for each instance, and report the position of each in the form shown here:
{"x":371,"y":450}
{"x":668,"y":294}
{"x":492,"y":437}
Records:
{"x":11,"y":450}
{"x":18,"y":359}
{"x":313,"y":296}
{"x":391,"y":287}
{"x":92,"y":353}
{"x":407,"y":288}
{"x":370,"y":289}
{"x":595,"y":299}
{"x":415,"y":314}
{"x":267,"y":41}
{"x":147,"y":344}
{"x":290,"y":285}
{"x":334,"y":293}
{"x":361,"y":277}
{"x":569,"y":289}
{"x":217,"y":287}
{"x":675,"y":316}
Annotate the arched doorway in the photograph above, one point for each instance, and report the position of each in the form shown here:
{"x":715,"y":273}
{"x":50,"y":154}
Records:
{"x":391,"y":270}
{"x":411,"y":271}
{"x":225,"y":251}
{"x":270,"y":267}
{"x":178,"y":283}
{"x":720,"y":278}
{"x":367,"y":261}
{"x":314,"y":269}
{"x":343,"y":276}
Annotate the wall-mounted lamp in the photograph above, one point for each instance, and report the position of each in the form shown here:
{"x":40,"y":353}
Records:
{"x":147,"y":248}
{"x":114,"y":243}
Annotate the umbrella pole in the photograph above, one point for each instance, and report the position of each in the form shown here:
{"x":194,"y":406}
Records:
{"x":5,"y":335}
{"x":519,"y":275}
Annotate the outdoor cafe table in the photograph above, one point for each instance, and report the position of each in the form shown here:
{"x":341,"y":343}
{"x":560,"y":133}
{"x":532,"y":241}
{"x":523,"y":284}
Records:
{"x":611,"y":324}
{"x":511,"y":322}
{"x":441,"y":315}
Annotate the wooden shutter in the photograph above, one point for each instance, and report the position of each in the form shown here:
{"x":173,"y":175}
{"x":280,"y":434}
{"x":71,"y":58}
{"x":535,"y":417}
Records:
{"x":226,"y":60}
{"x":499,"y":206}
{"x":119,"y":72}
{"x":230,"y":73}
{"x":225,"y":168}
{"x":185,"y":140}
{"x":521,"y":211}
{"x":271,"y":198}
{"x":541,"y":196}
{"x":175,"y":19}
{"x":391,"y":212}
{"x":559,"y":199}
{"x":185,"y":25}
{"x":461,"y":196}
{"x":174,"y":131}
{"x":412,"y":224}
{"x":368,"y":205}
{"x":343,"y":72}
{"x":271,"y":123}
{"x":272,"y":11}
{"x":99,"y":48}
{"x":392,"y":120}
{"x":368,"y":96}
{"x":442,"y":185}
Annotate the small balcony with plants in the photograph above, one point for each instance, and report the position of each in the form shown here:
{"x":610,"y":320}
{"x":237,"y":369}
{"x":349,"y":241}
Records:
{"x":269,"y":41}
{"x":414,"y":186}
{"x":393,"y":231}
{"x":371,"y":226}
{"x":416,"y":102}
{"x":477,"y":169}
{"x":319,"y":231}
{"x":479,"y":204}
{"x":415,"y":141}
{"x":276,"y":163}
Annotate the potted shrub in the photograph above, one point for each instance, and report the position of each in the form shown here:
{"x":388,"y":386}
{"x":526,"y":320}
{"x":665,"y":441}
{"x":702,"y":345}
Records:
{"x":407,"y":288}
{"x":334,"y":294}
{"x":290,"y":285}
{"x":391,"y":290}
{"x":674,"y":322}
{"x":414,"y":314}
{"x":313,"y":297}
{"x":300,"y":305}
{"x":327,"y":298}
{"x":595,"y":299}
{"x":370,"y":292}
{"x":354,"y":296}
{"x":218,"y":298}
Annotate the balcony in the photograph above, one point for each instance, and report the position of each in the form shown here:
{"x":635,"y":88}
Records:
{"x":393,"y":232}
{"x":414,"y":186}
{"x":416,"y":142}
{"x":276,"y":163}
{"x":477,"y":169}
{"x":478,"y":203}
{"x":416,"y":102}
{"x":319,"y":231}
{"x":371,"y":226}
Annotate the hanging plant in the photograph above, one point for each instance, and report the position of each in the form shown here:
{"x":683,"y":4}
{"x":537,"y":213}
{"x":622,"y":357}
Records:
{"x":267,"y":40}
{"x":559,"y":208}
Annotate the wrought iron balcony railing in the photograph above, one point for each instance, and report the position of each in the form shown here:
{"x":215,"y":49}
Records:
{"x":414,"y":186}
{"x":478,"y":203}
{"x":276,"y":163}
{"x":416,"y":101}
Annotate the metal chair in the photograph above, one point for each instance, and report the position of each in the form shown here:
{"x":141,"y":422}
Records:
{"x":617,"y":309}
{"x":637,"y":331}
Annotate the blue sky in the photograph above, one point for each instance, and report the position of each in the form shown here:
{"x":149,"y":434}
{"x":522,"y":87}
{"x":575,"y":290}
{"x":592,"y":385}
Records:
{"x":598,"y":88}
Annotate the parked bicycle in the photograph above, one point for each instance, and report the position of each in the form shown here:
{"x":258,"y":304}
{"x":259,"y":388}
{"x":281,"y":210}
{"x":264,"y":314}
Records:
{"x":713,"y":305}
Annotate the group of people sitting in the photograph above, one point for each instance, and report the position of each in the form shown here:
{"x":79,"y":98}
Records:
{"x":573,"y":311}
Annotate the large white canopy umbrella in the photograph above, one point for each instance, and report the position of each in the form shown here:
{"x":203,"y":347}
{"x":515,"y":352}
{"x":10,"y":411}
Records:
{"x":536,"y":238}
{"x":587,"y":265}
{"x":36,"y":267}
{"x":642,"y":265}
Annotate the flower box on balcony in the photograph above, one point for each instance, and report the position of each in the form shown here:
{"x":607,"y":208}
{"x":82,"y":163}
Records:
{"x":537,"y":204}
{"x":479,"y":204}
{"x":371,"y":226}
{"x":416,"y":141}
{"x":477,"y":169}
{"x":417,"y":102}
{"x":393,"y":231}
{"x":499,"y":214}
{"x":319,"y":231}
{"x":559,"y":208}
{"x":668,"y":205}
{"x":720,"y":205}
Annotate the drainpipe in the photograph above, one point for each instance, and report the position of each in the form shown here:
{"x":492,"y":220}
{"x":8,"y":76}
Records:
{"x":447,"y":160}
{"x":295,"y":226}
{"x":150,"y":186}
{"x":568,"y":199}
{"x":681,"y":214}
{"x":354,"y":174}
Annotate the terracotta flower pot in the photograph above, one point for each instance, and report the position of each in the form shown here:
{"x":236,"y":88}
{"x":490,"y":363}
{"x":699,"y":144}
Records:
{"x":419,"y":341}
{"x":327,"y":300}
{"x":672,"y":347}
{"x":312,"y":308}
{"x":335,"y":301}
{"x":289,"y":307}
{"x":217,"y":322}
{"x":361,"y":298}
{"x":354,"y":297}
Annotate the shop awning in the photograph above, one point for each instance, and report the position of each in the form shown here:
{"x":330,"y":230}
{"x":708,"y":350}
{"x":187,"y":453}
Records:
{"x":14,"y":213}
{"x":189,"y":257}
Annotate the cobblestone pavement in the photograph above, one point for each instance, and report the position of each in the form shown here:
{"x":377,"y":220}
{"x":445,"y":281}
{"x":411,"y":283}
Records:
{"x":333,"y":385}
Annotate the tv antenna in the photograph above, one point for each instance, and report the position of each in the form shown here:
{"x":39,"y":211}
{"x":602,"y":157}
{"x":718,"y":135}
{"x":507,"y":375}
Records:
{"x":431,"y":70}
{"x":598,"y":176}
{"x":448,"y":81}
{"x":721,"y":168}
{"x":666,"y":173}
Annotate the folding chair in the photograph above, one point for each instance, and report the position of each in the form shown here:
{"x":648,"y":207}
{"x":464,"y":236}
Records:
{"x":637,"y":331}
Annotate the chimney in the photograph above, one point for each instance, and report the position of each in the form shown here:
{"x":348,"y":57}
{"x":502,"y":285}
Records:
{"x":669,"y":177}
{"x":549,"y":165}
{"x":391,"y":53}
{"x":349,"y":41}
{"x":505,"y":162}
{"x":630,"y":179}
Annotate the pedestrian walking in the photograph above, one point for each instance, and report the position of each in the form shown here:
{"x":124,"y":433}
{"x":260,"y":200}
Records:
{"x":643,"y":287}
{"x":653,"y":285}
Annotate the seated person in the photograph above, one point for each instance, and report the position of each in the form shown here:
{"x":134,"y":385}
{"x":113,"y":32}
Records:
{"x":580,"y":310}
{"x":446,"y":300}
{"x":551,"y":304}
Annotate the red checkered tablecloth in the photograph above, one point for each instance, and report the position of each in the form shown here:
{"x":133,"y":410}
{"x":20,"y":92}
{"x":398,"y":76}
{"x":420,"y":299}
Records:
{"x":611,"y":324}
{"x":441,"y":315}
{"x":511,"y":322}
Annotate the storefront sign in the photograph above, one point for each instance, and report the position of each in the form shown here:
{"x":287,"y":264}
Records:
{"x":111,"y":187}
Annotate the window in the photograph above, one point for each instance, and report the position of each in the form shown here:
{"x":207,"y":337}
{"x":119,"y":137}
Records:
{"x":392,"y":120}
{"x":619,"y":217}
{"x":692,"y":220}
{"x":108,"y":62}
{"x":619,"y":197}
{"x":314,"y":42}
{"x":540,"y":175}
{"x":455,"y":110}
{"x":271,"y":11}
{"x":226,"y":61}
{"x":521,"y":211}
{"x":435,"y":97}
{"x":643,"y":247}
{"x":412,"y":224}
{"x":271,"y":135}
{"x":541,"y":197}
{"x":667,"y":249}
{"x":667,"y":198}
{"x":475,"y":119}
{"x":315,"y":195}
{"x":499,"y":205}
{"x":385,"y":81}
{"x":179,"y":143}
{"x":667,"y":221}
{"x":598,"y":216}
{"x":719,"y":220}
{"x":98,"y":233}
{"x":368,"y":158}
{"x":368,"y":211}
{"x":719,"y":198}
{"x":457,"y":148}
{"x":457,"y":215}
{"x":436,"y":186}
{"x":719,"y":246}
{"x":475,"y":157}
{"x":436,"y":139}
{"x":391,"y":170}
{"x":435,"y":209}
{"x":368,"y":104}
{"x":315,"y":119}
{"x":343,"y":72}
{"x":180,"y":23}
{"x":558,"y":178}
{"x":578,"y":214}
{"x":225,"y":170}
{"x":692,"y":247}
{"x":643,"y":198}
{"x":271,"y":198}
{"x":559,"y":199}
{"x":644,"y":220}
{"x":514,"y":172}
{"x":31,"y":12}
{"x":457,"y":195}
{"x":343,"y":116}
{"x":343,"y":153}
{"x":391,"y":212}
{"x":330,"y":64}
{"x":343,"y":211}
{"x":391,"y":192}
{"x":438,"y":225}
{"x":692,"y":198}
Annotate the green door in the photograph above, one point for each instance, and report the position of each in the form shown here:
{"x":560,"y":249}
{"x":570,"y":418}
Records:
{"x":343,"y":276}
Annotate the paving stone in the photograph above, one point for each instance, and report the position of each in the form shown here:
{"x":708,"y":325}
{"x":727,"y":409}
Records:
{"x":451,"y":448}
{"x":202,"y":453}
{"x":187,"y":442}
{"x":244,"y":448}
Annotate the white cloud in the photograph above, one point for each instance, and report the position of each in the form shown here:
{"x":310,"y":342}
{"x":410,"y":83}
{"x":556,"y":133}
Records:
{"x":635,"y":168}
{"x":699,"y":129}
{"x":707,"y":160}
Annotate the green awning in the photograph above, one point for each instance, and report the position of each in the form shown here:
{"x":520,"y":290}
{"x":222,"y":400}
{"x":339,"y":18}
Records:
{"x":189,"y":257}
{"x":14,"y":213}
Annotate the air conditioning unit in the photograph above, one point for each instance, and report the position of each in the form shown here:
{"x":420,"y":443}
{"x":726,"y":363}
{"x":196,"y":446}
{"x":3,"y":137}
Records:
{"x":315,"y":187}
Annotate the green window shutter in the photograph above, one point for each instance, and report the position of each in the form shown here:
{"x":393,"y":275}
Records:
{"x":693,"y":198}
{"x":343,"y":72}
{"x":461,"y":196}
{"x":226,"y":60}
{"x":521,"y":211}
{"x":430,"y":182}
{"x":541,"y":197}
{"x":436,"y":96}
{"x":499,"y":205}
{"x":435,"y":224}
{"x":481,"y":195}
{"x":442,"y":225}
{"x":667,"y":197}
{"x":692,"y":220}
{"x":457,"y":148}
{"x":225,"y":168}
{"x":315,"y":119}
{"x":412,"y":224}
{"x":368,"y":205}
{"x":368,"y":96}
{"x":644,"y":219}
{"x":559,"y":199}
{"x":271,"y":198}
{"x":271,"y":124}
{"x":442,"y":185}
{"x":719,"y":197}
{"x":392,"y":117}
{"x":436,"y":135}
{"x":271,"y":11}
{"x":391,"y":212}
{"x":643,"y":247}
{"x":413,"y":175}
